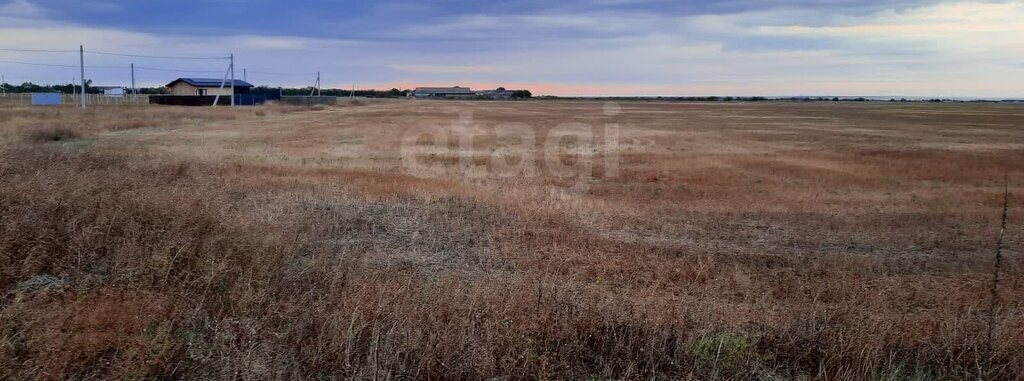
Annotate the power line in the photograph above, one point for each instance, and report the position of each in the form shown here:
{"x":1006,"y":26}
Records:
{"x":273,"y":73}
{"x":37,"y":50}
{"x":176,"y":70}
{"x":111,"y":54}
{"x":161,"y":57}
{"x":138,"y":67}
{"x":37,"y":64}
{"x":41,"y":82}
{"x":109,"y":67}
{"x":59,"y":65}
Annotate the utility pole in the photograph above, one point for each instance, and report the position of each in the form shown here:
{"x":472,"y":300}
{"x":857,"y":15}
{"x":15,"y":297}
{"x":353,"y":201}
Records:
{"x":216,"y":98}
{"x":134,"y":92}
{"x":316,"y":85}
{"x":3,"y":84}
{"x":245,"y":76}
{"x":232,"y":79}
{"x":81,"y":66}
{"x":74,"y":89}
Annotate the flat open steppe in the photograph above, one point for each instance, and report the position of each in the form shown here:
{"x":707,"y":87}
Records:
{"x":470,"y":240}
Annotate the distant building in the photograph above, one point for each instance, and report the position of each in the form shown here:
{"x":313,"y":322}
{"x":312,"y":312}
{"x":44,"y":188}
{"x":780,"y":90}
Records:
{"x":443,"y":92}
{"x":206,"y":86}
{"x":499,"y":94}
{"x":111,"y":91}
{"x":460,"y":93}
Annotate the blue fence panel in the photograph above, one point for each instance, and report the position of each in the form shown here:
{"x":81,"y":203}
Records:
{"x":45,"y":98}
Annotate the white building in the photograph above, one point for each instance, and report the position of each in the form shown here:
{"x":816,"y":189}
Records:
{"x":111,"y":91}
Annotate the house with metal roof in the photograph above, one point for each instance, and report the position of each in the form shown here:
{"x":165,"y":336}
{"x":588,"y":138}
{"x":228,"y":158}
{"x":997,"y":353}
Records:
{"x":206,"y":86}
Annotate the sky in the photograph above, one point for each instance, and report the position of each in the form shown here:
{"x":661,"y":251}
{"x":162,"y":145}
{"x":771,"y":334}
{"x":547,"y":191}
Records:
{"x":565,"y":47}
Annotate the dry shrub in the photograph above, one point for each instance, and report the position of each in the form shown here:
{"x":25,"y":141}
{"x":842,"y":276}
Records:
{"x":98,"y":334}
{"x":162,"y":283}
{"x":274,"y":107}
{"x":125,"y":124}
{"x":138,"y":228}
{"x":52,"y":123}
{"x":52,"y":135}
{"x":156,"y":242}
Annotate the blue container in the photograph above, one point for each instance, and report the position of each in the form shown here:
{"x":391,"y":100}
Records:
{"x":47,"y":99}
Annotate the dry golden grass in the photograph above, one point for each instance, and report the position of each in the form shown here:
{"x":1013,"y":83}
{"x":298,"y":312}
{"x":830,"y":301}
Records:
{"x":737,"y":241}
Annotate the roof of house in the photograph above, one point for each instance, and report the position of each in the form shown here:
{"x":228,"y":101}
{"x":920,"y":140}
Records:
{"x":210,"y":82}
{"x":443,"y":90}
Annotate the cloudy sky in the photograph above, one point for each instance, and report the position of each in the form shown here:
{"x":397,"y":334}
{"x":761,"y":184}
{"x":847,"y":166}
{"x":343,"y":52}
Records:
{"x":561,"y":47}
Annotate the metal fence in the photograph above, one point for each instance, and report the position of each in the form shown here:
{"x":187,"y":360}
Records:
{"x":250,"y":99}
{"x":207,"y":100}
{"x":303,"y":100}
{"x":75,"y":99}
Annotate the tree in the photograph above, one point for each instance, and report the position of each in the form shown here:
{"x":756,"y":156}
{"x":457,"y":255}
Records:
{"x":521,"y":94}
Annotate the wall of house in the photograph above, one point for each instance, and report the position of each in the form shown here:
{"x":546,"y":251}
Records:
{"x":182,"y":88}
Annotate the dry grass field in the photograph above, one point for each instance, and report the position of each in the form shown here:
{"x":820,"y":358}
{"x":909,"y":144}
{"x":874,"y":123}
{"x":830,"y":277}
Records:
{"x":724,"y":241}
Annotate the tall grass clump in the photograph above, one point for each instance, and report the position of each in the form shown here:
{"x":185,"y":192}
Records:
{"x":56,"y":134}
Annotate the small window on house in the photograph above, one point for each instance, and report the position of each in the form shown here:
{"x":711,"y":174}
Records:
{"x":201,"y":91}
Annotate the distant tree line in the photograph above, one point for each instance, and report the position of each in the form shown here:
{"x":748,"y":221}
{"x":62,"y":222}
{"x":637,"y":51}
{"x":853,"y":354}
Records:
{"x":29,"y":87}
{"x":367,"y":93}
{"x":287,"y":91}
{"x":789,"y":99}
{"x":522,"y":94}
{"x":663,"y":98}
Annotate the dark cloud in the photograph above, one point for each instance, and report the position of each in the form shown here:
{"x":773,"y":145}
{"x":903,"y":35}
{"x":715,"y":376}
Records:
{"x":364,"y":19}
{"x":753,"y":47}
